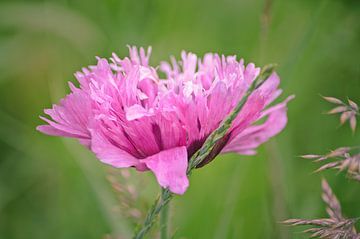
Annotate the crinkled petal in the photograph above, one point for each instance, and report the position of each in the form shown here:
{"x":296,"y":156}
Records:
{"x":70,"y":118}
{"x":256,"y":103}
{"x":50,"y":130}
{"x":136,"y":112}
{"x":249,"y":139}
{"x":109,"y":153}
{"x":169,"y":167}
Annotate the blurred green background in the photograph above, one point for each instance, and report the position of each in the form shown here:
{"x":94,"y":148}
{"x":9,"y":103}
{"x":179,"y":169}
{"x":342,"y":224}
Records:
{"x":54,"y":188}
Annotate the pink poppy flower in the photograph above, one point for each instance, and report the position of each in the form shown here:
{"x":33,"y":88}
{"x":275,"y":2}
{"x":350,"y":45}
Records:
{"x":130,"y":117}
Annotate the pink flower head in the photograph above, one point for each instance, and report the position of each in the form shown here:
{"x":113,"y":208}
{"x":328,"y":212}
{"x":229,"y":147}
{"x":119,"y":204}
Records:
{"x":130,"y":117}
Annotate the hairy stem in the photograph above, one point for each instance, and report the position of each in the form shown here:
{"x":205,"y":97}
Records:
{"x":202,"y":153}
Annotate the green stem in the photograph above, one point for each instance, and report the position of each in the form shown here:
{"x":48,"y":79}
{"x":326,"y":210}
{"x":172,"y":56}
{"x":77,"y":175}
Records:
{"x":153,"y":212}
{"x":164,"y":218}
{"x":200,"y":155}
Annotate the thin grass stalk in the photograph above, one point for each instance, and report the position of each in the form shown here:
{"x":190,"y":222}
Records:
{"x":153,"y":212}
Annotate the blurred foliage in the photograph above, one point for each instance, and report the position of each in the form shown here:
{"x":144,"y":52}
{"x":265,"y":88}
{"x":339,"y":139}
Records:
{"x":54,"y":188}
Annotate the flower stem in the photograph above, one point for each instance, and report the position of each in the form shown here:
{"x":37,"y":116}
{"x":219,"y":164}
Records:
{"x":154,"y":211}
{"x":198,"y":157}
{"x":164,"y":218}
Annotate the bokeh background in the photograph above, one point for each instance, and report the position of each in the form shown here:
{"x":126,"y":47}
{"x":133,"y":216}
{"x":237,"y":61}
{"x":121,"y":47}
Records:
{"x":54,"y":188}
